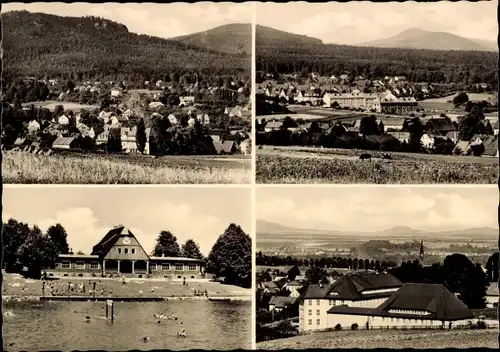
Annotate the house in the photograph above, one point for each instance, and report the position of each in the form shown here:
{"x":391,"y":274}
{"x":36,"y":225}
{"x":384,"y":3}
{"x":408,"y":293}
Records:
{"x":128,"y":139}
{"x":401,"y":136}
{"x":116,"y":93}
{"x":155,"y":105}
{"x":462,"y":148}
{"x":364,"y":289}
{"x":453,"y":136}
{"x":83,"y":129}
{"x":229,"y":147}
{"x":427,"y":141}
{"x":294,"y":287}
{"x":102,"y":138}
{"x":269,"y":287}
{"x":33,"y":127}
{"x":120,"y":253}
{"x":364,"y":101}
{"x":63,"y":120}
{"x":490,"y":146}
{"x":21,"y":142}
{"x":217,"y":146}
{"x":278,"y":303}
{"x":492,"y":295}
{"x":412,"y":305}
{"x":273,"y":126}
{"x":246,"y":146}
{"x":65,"y":143}
{"x":440,"y":126}
{"x":173,"y":120}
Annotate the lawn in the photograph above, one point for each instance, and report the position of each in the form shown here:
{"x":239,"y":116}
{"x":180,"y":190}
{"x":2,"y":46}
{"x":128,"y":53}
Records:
{"x":313,"y":165}
{"x":388,"y":339}
{"x":26,"y":168}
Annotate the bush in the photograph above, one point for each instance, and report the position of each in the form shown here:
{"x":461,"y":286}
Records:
{"x":355,"y":326}
{"x":338,"y":327}
{"x":481,"y":324}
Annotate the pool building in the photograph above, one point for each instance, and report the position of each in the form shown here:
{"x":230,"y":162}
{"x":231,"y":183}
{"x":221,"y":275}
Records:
{"x":119,"y":253}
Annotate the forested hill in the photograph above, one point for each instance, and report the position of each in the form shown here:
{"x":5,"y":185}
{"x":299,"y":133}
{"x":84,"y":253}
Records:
{"x":270,"y":37}
{"x":36,"y":44}
{"x":233,"y":38}
{"x":432,"y":66}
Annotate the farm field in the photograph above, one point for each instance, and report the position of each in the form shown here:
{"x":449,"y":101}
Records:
{"x":388,"y":339}
{"x":314,"y":165}
{"x":51,"y":105}
{"x":26,"y":168}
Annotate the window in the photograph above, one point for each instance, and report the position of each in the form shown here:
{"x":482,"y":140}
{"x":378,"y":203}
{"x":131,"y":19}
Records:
{"x":310,"y":321}
{"x":133,"y":250}
{"x":192,"y":267}
{"x":94,"y":265}
{"x":332,"y":302}
{"x":165,"y":267}
{"x":318,"y":312}
{"x":65,"y":265}
{"x":179,"y":267}
{"x":310,"y":312}
{"x":310,"y":302}
{"x":119,"y":250}
{"x":317,"y":321}
{"x":126,"y":250}
{"x":317,"y":302}
{"x":152,"y":266}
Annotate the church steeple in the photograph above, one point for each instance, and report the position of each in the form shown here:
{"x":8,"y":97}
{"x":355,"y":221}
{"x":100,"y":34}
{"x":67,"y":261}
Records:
{"x":421,"y":256}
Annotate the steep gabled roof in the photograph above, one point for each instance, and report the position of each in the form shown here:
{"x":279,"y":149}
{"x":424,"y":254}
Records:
{"x":281,"y":301}
{"x":108,"y":241}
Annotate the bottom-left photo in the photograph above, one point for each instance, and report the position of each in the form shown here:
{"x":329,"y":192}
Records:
{"x":123,"y":268}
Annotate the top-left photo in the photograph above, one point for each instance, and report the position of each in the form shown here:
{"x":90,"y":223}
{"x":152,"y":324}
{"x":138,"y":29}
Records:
{"x":127,"y":93}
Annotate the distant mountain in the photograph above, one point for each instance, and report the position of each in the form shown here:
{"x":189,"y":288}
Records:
{"x":422,"y":39}
{"x":271,"y":228}
{"x":38,"y":44}
{"x":266,"y":36}
{"x":235,"y":38}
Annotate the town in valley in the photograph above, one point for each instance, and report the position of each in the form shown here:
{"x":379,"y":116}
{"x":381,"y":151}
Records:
{"x":421,"y":104}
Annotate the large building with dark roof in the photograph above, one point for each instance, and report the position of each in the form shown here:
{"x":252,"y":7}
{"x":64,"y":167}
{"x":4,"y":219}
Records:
{"x":360,"y":289}
{"x":379,"y":300}
{"x":119,"y":253}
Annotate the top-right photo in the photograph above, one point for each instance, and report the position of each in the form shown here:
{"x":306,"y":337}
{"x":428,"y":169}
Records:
{"x":377,"y":93}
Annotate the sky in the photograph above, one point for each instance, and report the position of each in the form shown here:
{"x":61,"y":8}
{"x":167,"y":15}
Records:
{"x":357,"y":22}
{"x":161,"y":20}
{"x":88,"y":213}
{"x":367,"y":209}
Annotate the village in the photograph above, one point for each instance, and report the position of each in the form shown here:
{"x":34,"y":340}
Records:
{"x":158,"y":118}
{"x":297,"y":300}
{"x":389,"y":114}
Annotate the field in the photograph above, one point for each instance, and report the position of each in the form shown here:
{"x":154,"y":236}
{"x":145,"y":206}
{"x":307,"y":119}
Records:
{"x":388,"y":339}
{"x":314,"y":165}
{"x":26,"y":168}
{"x":51,"y":105}
{"x":446,"y":103}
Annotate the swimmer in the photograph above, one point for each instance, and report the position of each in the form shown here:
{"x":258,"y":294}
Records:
{"x":145,"y":339}
{"x":87,"y":319}
{"x":182,"y":333}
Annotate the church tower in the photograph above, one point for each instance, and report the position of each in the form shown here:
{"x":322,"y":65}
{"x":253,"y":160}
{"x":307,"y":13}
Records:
{"x":421,"y":255}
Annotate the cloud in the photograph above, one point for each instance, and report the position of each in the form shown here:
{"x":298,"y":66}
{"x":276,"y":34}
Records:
{"x":367,"y":209}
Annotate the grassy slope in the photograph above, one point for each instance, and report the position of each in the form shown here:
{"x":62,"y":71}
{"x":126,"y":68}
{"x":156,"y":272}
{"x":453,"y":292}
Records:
{"x":19,"y":167}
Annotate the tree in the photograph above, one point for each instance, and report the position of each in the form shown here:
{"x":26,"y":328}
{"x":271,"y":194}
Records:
{"x":416,"y":131}
{"x":166,"y":245}
{"x":466,"y":280}
{"x":58,"y":235}
{"x":37,"y":252}
{"x":190,"y":249}
{"x":369,"y":126}
{"x":471,"y":124}
{"x":460,"y":99}
{"x":58,"y":110}
{"x":381,"y":127}
{"x":293,"y":273}
{"x":315,"y":275}
{"x":14,"y":235}
{"x":231,"y":257}
{"x":492,"y":268}
{"x":141,"y":136}
{"x":70,"y":85}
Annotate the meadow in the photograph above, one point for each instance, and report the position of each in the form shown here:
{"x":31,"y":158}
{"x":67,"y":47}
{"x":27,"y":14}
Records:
{"x":73,"y":168}
{"x":314,"y":165}
{"x":388,"y":339}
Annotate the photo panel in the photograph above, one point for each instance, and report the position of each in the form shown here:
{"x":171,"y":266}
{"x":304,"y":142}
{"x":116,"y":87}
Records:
{"x":127,"y":93}
{"x":376,"y":267}
{"x":127,"y":268}
{"x":344,"y":95}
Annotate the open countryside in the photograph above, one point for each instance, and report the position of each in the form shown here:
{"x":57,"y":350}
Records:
{"x":196,"y":103}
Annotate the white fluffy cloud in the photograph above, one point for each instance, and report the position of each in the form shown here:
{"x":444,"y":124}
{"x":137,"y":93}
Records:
{"x":379,"y":208}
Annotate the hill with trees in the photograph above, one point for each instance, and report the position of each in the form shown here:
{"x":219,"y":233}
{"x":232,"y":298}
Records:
{"x":234,"y":38}
{"x":293,"y":54}
{"x":42,"y":45}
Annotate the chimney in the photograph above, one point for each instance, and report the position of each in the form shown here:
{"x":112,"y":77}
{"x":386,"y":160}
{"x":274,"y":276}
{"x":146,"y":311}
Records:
{"x":163,"y":254}
{"x":70,"y":251}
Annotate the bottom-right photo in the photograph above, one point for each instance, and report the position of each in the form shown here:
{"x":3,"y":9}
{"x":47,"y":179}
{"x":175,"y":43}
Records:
{"x":377,"y":267}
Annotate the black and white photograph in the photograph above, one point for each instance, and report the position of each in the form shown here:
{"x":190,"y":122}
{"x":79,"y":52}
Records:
{"x":384,"y":93}
{"x":127,"y":93}
{"x":377,"y":267}
{"x":127,"y":268}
